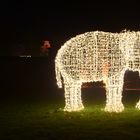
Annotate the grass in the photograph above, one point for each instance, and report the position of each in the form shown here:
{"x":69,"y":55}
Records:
{"x":46,"y":121}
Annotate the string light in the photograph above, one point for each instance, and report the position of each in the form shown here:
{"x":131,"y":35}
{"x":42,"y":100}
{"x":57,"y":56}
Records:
{"x":97,"y":56}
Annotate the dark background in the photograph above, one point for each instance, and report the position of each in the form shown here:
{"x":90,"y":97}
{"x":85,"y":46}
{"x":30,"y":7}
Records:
{"x":29,"y":23}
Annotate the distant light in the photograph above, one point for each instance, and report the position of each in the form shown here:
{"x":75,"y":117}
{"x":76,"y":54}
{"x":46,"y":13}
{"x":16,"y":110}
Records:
{"x":25,"y":56}
{"x":97,"y":56}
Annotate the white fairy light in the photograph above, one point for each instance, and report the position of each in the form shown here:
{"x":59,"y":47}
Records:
{"x":97,"y":56}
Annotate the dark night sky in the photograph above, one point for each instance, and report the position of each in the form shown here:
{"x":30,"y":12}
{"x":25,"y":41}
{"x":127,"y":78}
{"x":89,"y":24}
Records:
{"x":31,"y":22}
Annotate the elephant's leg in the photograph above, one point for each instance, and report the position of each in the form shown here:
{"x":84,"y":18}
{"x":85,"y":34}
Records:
{"x":73,"y":100}
{"x":138,"y":103}
{"x":67,"y":97}
{"x":114,"y":97}
{"x":78,"y":98}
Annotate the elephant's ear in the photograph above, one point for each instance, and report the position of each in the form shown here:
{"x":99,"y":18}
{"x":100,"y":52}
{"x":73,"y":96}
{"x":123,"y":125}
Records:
{"x":127,"y":41}
{"x":122,"y":41}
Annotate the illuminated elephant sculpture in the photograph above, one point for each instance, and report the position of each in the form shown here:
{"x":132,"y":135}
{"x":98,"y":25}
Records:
{"x":97,"y":56}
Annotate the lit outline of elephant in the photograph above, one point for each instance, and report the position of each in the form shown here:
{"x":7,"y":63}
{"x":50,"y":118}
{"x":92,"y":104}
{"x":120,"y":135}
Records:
{"x":97,"y":56}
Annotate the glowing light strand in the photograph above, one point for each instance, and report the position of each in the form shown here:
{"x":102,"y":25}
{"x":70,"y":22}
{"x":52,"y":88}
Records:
{"x":97,"y":56}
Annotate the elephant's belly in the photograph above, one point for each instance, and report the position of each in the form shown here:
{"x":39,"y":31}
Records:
{"x":89,"y":73}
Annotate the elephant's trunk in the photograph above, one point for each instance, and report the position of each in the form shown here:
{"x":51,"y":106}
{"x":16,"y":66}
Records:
{"x":58,"y":75}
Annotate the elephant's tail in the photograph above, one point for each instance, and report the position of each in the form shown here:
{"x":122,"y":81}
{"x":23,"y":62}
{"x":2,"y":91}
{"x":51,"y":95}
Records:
{"x":58,"y":75}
